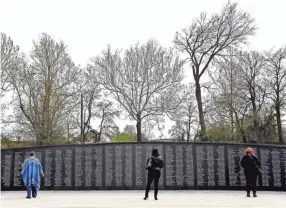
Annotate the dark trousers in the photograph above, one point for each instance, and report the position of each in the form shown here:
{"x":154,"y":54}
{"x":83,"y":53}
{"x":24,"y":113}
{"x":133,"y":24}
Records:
{"x":153,"y":175}
{"x":31,"y":191}
{"x":251,"y":179}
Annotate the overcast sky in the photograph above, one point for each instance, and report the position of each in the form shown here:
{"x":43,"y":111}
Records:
{"x":87,"y":26}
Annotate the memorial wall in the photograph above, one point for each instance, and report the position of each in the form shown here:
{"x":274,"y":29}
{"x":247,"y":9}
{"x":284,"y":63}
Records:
{"x":118,"y":166}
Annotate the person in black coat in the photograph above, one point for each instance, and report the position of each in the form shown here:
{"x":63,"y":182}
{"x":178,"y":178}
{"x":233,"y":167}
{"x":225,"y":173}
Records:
{"x":154,"y":165}
{"x":251,"y":166}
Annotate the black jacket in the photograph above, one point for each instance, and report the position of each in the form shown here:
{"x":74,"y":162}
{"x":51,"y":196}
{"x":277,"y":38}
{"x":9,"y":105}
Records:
{"x":248,"y":162}
{"x":155,"y":163}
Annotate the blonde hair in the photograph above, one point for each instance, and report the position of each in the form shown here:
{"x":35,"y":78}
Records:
{"x":249,"y":151}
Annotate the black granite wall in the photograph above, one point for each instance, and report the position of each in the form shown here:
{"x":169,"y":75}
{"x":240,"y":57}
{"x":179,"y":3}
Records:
{"x":122,"y":166}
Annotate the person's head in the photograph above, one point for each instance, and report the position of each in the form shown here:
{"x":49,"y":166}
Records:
{"x":155,"y":152}
{"x":32,"y":154}
{"x":249,"y":151}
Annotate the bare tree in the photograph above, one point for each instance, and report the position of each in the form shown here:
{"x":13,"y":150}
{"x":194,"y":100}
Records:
{"x":239,"y":104}
{"x":208,"y":37}
{"x":276,"y":74}
{"x":227,"y":105}
{"x":148,"y":127}
{"x":141,"y":79}
{"x":107,"y":115}
{"x":94,"y":107}
{"x":44,"y":84}
{"x":252,"y":70}
{"x":184,"y":116}
{"x":9,"y":54}
{"x":89,"y":92}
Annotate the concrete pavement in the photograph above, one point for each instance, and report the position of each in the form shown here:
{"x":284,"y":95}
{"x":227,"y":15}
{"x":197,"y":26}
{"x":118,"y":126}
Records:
{"x":134,"y":199}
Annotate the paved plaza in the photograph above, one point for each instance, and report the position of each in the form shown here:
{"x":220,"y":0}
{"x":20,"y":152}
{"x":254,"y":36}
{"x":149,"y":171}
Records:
{"x":134,"y":199}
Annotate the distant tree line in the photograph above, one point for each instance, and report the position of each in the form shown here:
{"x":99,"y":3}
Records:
{"x":236,"y":95}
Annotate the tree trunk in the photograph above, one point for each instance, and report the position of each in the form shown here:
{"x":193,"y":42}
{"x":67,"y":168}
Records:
{"x":182,"y":137}
{"x":232,"y":124}
{"x":188,"y":136}
{"x":244,"y":139}
{"x":101,"y":125}
{"x":96,"y":140}
{"x":189,"y":129}
{"x":200,"y":107}
{"x":98,"y":136}
{"x":279,"y":124}
{"x":231,"y":100}
{"x":68,"y":132}
{"x":240,"y":127}
{"x":138,"y":126}
{"x":81,"y":119}
{"x":255,"y":125}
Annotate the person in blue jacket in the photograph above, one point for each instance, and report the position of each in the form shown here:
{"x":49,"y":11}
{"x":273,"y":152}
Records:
{"x":31,"y":174}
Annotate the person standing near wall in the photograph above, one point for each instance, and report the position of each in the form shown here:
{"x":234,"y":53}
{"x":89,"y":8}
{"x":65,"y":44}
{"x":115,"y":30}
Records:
{"x":154,"y":165}
{"x":251,"y":166}
{"x":31,"y":171}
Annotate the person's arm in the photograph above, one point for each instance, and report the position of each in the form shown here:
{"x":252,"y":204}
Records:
{"x":147,"y":163}
{"x":242,"y":162}
{"x":41,"y":169}
{"x":257,"y":161}
{"x":24,"y":167}
{"x":162,"y":163}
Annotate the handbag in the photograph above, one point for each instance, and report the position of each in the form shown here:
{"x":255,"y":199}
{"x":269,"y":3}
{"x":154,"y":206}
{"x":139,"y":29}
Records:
{"x":258,"y":169}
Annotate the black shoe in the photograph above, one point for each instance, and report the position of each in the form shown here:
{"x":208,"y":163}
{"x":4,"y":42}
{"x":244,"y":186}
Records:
{"x":155,"y":197}
{"x":28,"y":197}
{"x":254,"y":195}
{"x":146,"y":197}
{"x":248,"y":194}
{"x":34,"y":196}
